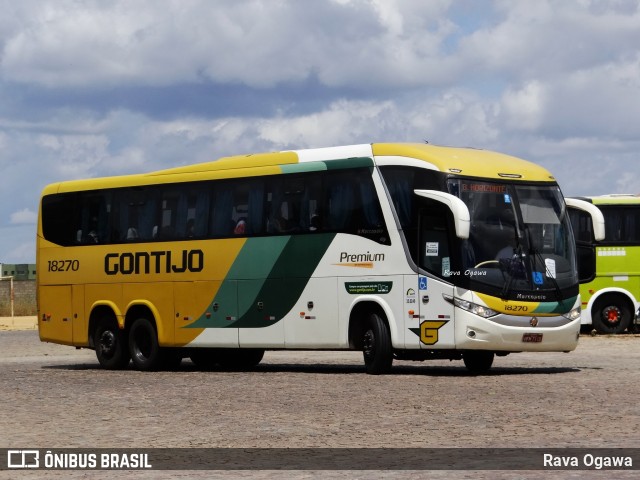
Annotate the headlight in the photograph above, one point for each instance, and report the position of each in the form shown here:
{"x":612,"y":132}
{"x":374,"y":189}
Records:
{"x":474,"y":308}
{"x":573,"y":314}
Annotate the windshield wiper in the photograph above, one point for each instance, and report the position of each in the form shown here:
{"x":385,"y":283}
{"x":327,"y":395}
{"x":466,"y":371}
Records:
{"x":513,"y":267}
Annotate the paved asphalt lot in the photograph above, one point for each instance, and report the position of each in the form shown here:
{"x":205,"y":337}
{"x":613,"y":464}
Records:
{"x":58,"y":397}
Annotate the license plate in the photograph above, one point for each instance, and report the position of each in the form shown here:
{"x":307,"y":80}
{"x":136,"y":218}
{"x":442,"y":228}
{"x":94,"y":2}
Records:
{"x":532,"y":337}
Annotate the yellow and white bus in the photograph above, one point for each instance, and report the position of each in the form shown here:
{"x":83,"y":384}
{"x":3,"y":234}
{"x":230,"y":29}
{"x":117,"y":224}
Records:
{"x":405,"y":251}
{"x":609,"y":266}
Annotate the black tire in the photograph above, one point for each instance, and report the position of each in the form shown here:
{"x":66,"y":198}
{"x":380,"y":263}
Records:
{"x":239,"y":358}
{"x":376,"y":346}
{"x":611,"y":314}
{"x":143,"y":346}
{"x":111,"y":345}
{"x":478,"y":361}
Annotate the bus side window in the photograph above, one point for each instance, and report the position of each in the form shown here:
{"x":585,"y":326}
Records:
{"x":221,"y":210}
{"x":622,"y":224}
{"x":352,"y":206}
{"x":633,"y":222}
{"x":168,"y":228}
{"x":93,"y":217}
{"x":285,"y":205}
{"x":240,"y":209}
{"x":255,"y":206}
{"x":197,"y":214}
{"x":184,"y":213}
{"x":136,"y":208}
{"x":311,"y":217}
{"x":340,"y":200}
{"x":60,"y":223}
{"x":614,"y":224}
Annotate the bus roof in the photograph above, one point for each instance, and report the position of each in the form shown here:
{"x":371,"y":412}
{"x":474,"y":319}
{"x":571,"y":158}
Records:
{"x":613,"y":199}
{"x":466,"y":161}
{"x":462,"y":161}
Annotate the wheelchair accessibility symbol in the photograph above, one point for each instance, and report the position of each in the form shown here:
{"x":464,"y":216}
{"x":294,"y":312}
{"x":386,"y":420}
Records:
{"x":538,"y":279}
{"x":422,"y":283}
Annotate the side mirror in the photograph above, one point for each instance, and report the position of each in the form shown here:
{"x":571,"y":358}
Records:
{"x":461,"y":217}
{"x":597,"y":219}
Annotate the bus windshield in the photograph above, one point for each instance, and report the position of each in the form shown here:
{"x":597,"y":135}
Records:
{"x":520,"y":244}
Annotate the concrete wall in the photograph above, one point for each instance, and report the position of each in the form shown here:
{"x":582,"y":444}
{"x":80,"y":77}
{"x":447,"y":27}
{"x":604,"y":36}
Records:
{"x":24,"y":292}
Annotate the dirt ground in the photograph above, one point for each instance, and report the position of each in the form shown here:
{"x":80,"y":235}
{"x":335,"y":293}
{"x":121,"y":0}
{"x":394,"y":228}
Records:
{"x":58,"y":397}
{"x":18,"y":323}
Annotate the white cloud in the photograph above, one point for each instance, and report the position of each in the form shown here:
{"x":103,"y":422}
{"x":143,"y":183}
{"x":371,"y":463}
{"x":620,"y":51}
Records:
{"x":524,"y":108}
{"x":548,"y":38}
{"x":259,"y":44}
{"x":24,"y":217}
{"x":343,"y":122}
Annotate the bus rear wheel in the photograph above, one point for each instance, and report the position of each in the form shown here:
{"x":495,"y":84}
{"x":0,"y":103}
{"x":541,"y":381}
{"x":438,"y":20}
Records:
{"x":611,"y":314}
{"x":143,"y":345}
{"x":111,"y":346}
{"x":376,"y":346}
{"x":478,"y":361}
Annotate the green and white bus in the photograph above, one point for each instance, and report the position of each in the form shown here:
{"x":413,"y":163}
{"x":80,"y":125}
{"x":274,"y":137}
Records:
{"x":609,"y":267}
{"x":401,"y":251}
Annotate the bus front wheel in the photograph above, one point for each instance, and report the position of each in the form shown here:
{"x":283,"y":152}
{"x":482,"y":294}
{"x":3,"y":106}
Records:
{"x":376,"y":346}
{"x":478,"y":361}
{"x":143,"y":345}
{"x":111,"y":346}
{"x":611,"y":314}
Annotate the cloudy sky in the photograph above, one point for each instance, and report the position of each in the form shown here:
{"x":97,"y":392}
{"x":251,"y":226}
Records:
{"x":98,"y":87}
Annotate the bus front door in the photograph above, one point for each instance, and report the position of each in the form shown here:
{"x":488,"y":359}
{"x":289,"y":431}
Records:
{"x":436,"y":329}
{"x":434,"y":255}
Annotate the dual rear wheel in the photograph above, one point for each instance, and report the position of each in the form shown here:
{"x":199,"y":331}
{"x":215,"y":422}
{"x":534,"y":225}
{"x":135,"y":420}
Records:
{"x":111,"y":345}
{"x":146,"y":353}
{"x":115,"y":348}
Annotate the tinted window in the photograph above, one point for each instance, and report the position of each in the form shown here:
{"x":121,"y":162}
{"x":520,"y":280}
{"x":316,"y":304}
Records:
{"x":339,"y":201}
{"x":622,"y":224}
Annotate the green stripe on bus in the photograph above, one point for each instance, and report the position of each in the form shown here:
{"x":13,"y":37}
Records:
{"x":265,"y":281}
{"x":285,"y":283}
{"x":252,"y":265}
{"x":355,"y":162}
{"x":556,"y":307}
{"x":304,"y":167}
{"x":256,"y":258}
